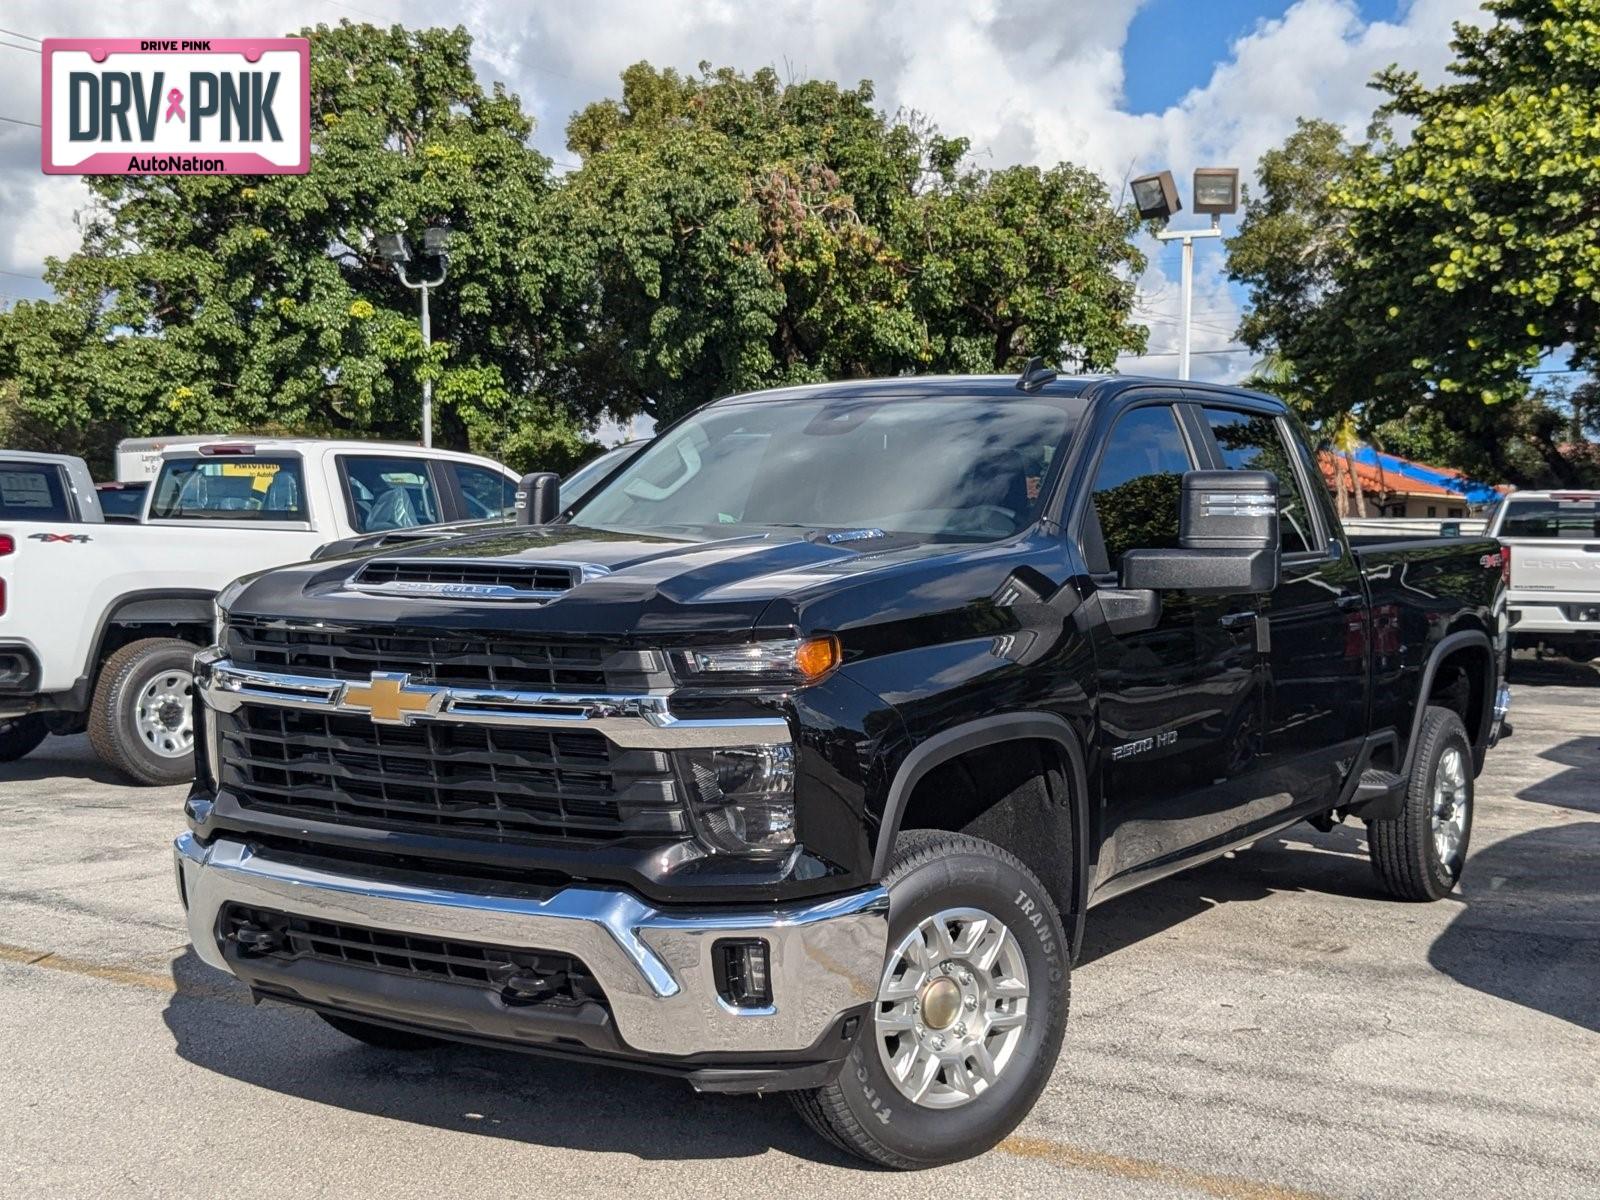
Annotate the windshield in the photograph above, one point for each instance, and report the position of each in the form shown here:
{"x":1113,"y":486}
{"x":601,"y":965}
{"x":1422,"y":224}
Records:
{"x":575,"y":488}
{"x":250,"y":489}
{"x":962,"y":468}
{"x":1553,"y":518}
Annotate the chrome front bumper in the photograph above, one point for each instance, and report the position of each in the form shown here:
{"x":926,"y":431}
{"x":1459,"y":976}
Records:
{"x":655,"y":967}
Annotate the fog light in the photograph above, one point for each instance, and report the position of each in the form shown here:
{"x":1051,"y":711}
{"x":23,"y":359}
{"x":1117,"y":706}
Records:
{"x":742,"y":976}
{"x":742,"y":797}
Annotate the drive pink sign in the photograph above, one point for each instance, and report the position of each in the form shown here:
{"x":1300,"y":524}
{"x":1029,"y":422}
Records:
{"x":168,"y":106}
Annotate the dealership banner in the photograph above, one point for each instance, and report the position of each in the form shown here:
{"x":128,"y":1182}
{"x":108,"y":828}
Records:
{"x":177,"y":106}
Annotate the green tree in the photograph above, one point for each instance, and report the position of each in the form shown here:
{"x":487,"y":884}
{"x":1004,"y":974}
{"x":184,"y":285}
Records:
{"x":1411,"y":282}
{"x":746,"y":233}
{"x":240,"y":303}
{"x":1478,"y":231}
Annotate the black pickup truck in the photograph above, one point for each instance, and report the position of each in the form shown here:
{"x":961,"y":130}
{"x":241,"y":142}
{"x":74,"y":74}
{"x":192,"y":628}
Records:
{"x":794,"y":758}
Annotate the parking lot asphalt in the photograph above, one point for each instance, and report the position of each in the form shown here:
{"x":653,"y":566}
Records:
{"x":1263,"y":1028}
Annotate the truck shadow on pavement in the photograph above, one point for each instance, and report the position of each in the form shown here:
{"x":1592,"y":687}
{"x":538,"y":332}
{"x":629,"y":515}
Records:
{"x":1528,"y":931}
{"x":1300,"y":859}
{"x":491,"y":1093}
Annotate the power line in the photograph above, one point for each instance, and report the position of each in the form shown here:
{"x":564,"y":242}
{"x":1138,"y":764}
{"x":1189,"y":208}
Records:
{"x":14,"y":46}
{"x":19,"y":121}
{"x":19,"y":274}
{"x":27,"y":37}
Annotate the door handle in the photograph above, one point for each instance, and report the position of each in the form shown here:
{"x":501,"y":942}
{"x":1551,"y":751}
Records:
{"x":1235,"y":620}
{"x":1347,"y":602}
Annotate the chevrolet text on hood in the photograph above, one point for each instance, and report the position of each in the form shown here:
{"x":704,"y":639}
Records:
{"x":793,"y":756}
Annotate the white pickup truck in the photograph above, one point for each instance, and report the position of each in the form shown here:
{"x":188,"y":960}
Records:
{"x":99,"y":621}
{"x":1554,"y":542}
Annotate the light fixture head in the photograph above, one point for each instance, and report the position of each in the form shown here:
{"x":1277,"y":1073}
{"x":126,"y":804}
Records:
{"x":1216,"y":190}
{"x":393,"y":247}
{"x":436,"y":240}
{"x":1156,"y":196}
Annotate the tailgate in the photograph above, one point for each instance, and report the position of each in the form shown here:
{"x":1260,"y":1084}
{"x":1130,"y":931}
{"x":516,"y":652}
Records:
{"x":1555,"y":565}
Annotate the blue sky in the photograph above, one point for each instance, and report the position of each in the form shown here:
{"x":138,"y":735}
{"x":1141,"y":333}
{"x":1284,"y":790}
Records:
{"x":1175,"y":45}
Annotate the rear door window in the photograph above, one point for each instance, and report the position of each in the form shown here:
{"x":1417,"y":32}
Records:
{"x":487,"y":493}
{"x":1552,"y":518}
{"x":230,"y":489}
{"x":1253,"y":442}
{"x":389,"y":492}
{"x":33,"y":492}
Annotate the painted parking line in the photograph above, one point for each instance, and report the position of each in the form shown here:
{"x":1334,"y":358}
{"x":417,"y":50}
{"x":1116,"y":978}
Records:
{"x":1044,"y":1150}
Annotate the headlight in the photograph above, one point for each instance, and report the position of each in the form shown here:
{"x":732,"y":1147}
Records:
{"x":219,"y":609}
{"x":742,"y":797}
{"x":783,"y":660}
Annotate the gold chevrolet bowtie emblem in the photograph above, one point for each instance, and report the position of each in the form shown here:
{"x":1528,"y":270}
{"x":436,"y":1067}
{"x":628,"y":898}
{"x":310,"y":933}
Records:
{"x":390,"y":699}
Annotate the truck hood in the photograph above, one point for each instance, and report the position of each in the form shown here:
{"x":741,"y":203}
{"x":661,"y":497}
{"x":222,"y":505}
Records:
{"x":647,"y":588}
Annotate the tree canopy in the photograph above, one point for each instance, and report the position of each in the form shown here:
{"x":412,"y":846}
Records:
{"x":749,"y":233}
{"x":224,"y":302}
{"x":1416,"y":279}
{"x":722,"y":232}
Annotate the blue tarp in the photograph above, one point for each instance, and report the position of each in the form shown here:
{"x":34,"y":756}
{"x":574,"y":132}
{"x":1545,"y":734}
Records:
{"x":1474,"y":492}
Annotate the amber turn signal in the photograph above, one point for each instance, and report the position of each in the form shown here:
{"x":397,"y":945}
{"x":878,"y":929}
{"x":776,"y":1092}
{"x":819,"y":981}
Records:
{"x":816,"y":656}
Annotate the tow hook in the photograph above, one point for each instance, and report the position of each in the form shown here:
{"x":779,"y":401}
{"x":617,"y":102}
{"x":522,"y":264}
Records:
{"x":520,"y":985}
{"x":254,"y":939}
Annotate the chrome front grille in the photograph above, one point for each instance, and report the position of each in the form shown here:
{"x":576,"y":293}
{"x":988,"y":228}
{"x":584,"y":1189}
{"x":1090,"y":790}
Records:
{"x":482,"y":782}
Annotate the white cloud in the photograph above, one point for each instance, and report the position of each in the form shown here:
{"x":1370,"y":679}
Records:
{"x":1027,"y":80}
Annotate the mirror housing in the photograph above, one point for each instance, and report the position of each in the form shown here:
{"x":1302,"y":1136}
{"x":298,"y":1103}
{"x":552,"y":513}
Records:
{"x":1227,"y":537}
{"x":538,"y":498}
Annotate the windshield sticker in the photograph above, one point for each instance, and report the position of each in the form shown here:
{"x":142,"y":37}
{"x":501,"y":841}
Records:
{"x":259,"y":470}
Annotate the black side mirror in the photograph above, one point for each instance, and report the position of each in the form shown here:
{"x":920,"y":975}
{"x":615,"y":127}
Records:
{"x":1228,"y":539}
{"x":538,"y":498}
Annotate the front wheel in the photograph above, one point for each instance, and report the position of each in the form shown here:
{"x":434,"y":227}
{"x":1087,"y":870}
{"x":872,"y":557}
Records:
{"x":142,"y":717}
{"x":1419,"y":854}
{"x":969,"y":1015}
{"x":20,"y":736}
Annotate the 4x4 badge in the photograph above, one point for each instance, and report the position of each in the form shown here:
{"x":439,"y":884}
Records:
{"x":60,"y":537}
{"x":391,"y":698}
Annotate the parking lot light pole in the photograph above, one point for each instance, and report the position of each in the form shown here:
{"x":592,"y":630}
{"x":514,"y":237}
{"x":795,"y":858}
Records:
{"x":1216,"y":191}
{"x":1187,"y":236}
{"x":395,"y":248}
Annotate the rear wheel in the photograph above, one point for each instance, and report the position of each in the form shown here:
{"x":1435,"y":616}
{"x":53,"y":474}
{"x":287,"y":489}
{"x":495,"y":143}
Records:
{"x":1419,"y":854}
{"x":382,"y":1036}
{"x":969,"y":1015}
{"x":142,"y":717}
{"x":19,"y":736}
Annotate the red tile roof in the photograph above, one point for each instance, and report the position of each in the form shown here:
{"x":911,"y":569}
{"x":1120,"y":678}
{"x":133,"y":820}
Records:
{"x":1375,"y":481}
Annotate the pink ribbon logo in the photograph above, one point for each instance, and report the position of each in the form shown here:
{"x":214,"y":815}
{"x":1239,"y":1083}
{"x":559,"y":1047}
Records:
{"x":175,"y":105}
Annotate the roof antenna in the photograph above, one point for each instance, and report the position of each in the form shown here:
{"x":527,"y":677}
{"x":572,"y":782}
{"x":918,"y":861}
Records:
{"x":1035,"y":375}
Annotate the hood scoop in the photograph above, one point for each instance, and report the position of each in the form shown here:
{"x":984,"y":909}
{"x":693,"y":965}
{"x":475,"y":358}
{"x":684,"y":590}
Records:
{"x":472,"y":579}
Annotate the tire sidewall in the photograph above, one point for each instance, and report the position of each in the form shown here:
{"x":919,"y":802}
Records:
{"x":139,"y":757}
{"x":1449,"y":731}
{"x":930,"y":1136}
